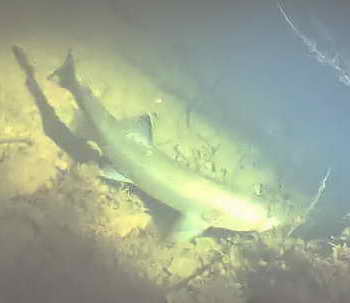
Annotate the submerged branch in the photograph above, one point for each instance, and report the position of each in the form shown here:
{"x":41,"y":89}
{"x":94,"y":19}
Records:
{"x":314,"y":202}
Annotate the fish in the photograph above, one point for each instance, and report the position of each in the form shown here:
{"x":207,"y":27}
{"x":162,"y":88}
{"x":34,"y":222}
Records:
{"x":129,"y":147}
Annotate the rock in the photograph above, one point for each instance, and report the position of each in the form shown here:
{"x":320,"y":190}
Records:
{"x":184,"y":267}
{"x":125,"y":224}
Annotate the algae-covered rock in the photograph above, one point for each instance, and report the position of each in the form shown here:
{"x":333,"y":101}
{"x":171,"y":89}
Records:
{"x":205,"y":244}
{"x":184,"y":266}
{"x":125,"y":224}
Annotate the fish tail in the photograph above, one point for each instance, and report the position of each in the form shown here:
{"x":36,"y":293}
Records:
{"x":65,"y":76}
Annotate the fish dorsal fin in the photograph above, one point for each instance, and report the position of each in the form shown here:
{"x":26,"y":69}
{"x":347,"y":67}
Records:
{"x":139,"y":129}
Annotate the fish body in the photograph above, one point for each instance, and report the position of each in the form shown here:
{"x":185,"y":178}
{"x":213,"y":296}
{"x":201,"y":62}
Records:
{"x":201,"y":202}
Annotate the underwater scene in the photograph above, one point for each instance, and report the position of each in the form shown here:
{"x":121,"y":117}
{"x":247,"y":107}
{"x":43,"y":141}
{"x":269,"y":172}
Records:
{"x":174,"y":151}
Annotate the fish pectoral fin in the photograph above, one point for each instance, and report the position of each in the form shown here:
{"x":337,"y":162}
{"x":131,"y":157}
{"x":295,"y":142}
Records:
{"x":187,"y":227}
{"x":110,"y":173}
